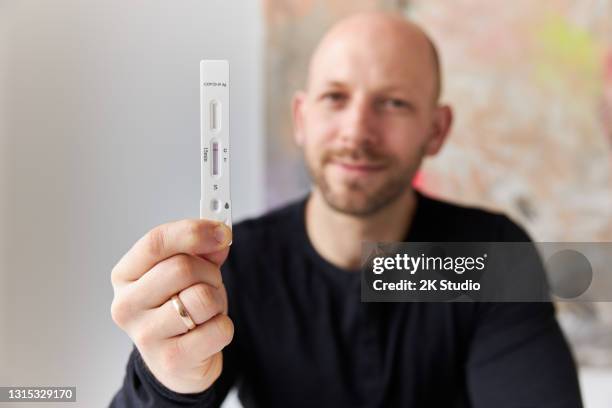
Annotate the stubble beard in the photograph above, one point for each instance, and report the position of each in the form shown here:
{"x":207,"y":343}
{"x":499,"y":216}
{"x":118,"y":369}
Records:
{"x":357,"y":199}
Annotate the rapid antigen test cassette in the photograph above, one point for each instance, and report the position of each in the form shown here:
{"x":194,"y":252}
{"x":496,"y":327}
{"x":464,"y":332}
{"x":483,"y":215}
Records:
{"x":215,"y":202}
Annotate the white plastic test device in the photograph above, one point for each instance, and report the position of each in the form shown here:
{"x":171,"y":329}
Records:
{"x":215,"y":202}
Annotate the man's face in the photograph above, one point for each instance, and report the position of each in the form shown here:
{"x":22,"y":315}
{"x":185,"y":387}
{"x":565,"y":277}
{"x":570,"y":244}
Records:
{"x":366,"y":121}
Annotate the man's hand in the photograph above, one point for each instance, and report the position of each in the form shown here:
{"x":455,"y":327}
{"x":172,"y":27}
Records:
{"x":181,"y":258}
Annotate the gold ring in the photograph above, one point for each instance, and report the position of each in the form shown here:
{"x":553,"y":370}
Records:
{"x":182,"y":311}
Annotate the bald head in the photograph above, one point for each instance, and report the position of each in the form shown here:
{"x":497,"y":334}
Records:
{"x":380,"y":38}
{"x":370,"y":113}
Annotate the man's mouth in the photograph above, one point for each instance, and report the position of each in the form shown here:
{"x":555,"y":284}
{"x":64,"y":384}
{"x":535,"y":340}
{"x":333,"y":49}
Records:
{"x":358,"y":167}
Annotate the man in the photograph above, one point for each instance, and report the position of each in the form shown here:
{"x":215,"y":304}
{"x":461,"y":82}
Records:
{"x":297,"y":334}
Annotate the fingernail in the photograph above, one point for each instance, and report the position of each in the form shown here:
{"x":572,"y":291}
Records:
{"x":221,"y":233}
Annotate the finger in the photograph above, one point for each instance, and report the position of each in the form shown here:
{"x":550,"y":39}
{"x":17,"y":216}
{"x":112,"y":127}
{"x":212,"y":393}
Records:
{"x":171,"y":276}
{"x":218,"y":257}
{"x":206,"y":339}
{"x":178,"y":353}
{"x":196,"y":236}
{"x":203,"y":302}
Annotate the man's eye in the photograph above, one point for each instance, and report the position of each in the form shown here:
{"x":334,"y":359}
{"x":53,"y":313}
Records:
{"x":393,"y":103}
{"x":334,"y":96}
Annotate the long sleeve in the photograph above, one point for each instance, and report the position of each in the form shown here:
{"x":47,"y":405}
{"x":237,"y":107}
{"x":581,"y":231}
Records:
{"x":520,"y":358}
{"x":141,"y":389}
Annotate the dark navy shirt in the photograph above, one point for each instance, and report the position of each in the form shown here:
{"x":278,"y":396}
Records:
{"x":304,"y":339}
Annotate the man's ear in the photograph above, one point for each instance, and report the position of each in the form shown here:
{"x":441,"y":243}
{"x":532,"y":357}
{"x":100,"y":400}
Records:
{"x":297,"y":109}
{"x":442,"y":121}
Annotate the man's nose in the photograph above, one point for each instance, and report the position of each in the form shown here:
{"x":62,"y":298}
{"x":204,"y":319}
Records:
{"x":358,"y":126}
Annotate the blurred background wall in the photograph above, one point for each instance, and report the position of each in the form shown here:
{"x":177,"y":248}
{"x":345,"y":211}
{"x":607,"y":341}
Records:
{"x":3,"y":202}
{"x":99,"y":141}
{"x":100,"y":138}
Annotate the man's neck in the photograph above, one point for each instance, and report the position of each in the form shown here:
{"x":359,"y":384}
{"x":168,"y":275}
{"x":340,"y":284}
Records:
{"x":337,"y":236}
